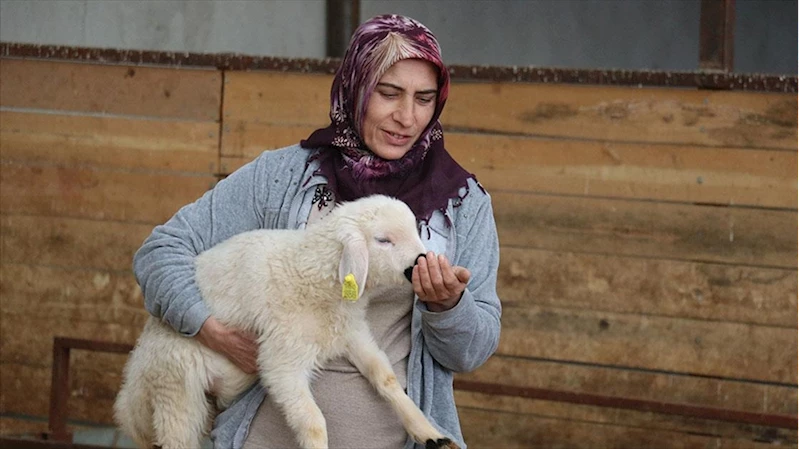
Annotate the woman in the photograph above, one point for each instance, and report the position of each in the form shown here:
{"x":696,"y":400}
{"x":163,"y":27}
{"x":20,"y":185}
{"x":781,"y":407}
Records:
{"x":384,"y":137}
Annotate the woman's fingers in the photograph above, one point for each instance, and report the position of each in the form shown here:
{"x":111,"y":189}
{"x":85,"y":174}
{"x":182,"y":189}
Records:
{"x":240,"y":347}
{"x":435,"y":279}
{"x":244,"y":351}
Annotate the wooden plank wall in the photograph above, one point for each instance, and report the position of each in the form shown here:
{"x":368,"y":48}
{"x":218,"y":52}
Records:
{"x":648,"y":236}
{"x":91,"y":158}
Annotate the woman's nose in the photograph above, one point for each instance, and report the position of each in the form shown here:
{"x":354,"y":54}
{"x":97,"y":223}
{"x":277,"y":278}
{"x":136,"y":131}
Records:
{"x":404,"y":114}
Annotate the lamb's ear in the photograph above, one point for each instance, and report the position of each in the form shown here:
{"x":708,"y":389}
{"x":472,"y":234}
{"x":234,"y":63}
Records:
{"x":354,"y":260}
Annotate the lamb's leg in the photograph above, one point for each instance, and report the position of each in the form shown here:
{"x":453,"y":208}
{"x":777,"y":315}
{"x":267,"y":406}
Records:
{"x":181,"y":412}
{"x":364,"y":353}
{"x":289,"y":387}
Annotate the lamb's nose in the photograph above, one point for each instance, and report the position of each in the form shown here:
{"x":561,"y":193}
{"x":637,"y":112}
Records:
{"x":409,"y":270}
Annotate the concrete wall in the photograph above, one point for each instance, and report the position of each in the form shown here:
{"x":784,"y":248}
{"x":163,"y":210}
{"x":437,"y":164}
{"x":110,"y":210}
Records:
{"x":291,"y":28}
{"x":625,"y":34}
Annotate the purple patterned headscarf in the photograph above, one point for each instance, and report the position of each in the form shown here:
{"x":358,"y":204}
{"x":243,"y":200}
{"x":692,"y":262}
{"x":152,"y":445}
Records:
{"x":427,"y":177}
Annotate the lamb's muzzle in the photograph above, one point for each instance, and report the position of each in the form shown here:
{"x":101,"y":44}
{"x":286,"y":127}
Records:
{"x":409,"y":270}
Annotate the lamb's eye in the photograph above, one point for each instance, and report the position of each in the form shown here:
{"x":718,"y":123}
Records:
{"x":383,"y":240}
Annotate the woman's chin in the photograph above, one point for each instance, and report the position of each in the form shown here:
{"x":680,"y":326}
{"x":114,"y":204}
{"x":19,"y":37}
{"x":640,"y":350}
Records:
{"x":390,"y":152}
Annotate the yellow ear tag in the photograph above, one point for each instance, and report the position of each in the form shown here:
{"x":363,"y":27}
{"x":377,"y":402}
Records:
{"x":349,"y":290}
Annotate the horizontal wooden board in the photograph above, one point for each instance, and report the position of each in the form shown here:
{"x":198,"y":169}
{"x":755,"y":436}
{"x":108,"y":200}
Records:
{"x":244,"y":141}
{"x":97,"y":193}
{"x":650,"y":287}
{"x":637,"y":171}
{"x":622,"y":382}
{"x":70,"y":242}
{"x":42,"y":292}
{"x":248,"y":140}
{"x":626,"y":114}
{"x":655,"y":230}
{"x":621,"y":417}
{"x":17,"y":395}
{"x":620,"y":114}
{"x":691,"y":174}
{"x":67,"y":287}
{"x":277,"y":98}
{"x":718,"y":349}
{"x":111,"y":89}
{"x":482,"y":428}
{"x":69,"y":140}
{"x":230,"y":164}
{"x":30,"y":341}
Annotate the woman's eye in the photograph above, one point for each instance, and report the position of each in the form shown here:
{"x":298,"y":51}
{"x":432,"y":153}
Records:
{"x":388,"y":94}
{"x":426,"y":100}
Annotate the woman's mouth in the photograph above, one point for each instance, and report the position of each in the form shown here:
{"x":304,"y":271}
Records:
{"x":396,"y":139}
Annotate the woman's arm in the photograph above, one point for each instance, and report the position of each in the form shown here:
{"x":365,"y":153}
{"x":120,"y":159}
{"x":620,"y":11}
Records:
{"x":463,"y":337}
{"x":164,"y":265}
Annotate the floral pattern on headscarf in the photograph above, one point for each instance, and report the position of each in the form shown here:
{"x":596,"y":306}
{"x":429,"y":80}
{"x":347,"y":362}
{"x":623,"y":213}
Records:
{"x":375,"y":46}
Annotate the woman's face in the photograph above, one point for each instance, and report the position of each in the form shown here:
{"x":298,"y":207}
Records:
{"x":400,"y":108}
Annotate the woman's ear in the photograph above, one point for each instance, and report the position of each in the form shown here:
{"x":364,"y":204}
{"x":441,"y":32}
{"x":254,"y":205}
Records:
{"x":354,"y":261}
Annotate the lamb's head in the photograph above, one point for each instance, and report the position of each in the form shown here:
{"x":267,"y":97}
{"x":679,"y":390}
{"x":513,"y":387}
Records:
{"x":380,"y":242}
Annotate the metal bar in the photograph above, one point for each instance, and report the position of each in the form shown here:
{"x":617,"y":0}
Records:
{"x":716,"y":35}
{"x":59,"y":389}
{"x":20,"y":443}
{"x":514,"y":74}
{"x":92,"y":345}
{"x":715,"y":414}
{"x":342,"y":20}
{"x":59,"y":393}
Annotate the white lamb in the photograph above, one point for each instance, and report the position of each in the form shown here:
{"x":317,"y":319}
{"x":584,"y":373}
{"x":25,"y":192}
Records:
{"x":293,"y":288}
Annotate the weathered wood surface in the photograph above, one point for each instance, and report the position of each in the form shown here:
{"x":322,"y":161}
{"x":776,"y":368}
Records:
{"x":627,"y":382}
{"x":92,"y":390}
{"x":533,"y":429}
{"x":677,"y":173}
{"x":166,"y":93}
{"x":744,"y":236}
{"x":604,"y":416}
{"x":673,"y":116}
{"x":13,"y":427}
{"x":739,"y":351}
{"x":115,"y":142}
{"x":244,"y":141}
{"x":79,"y":294}
{"x":648,"y":287}
{"x":90,"y":192}
{"x":725,"y":176}
{"x":673,"y":161}
{"x":620,"y":114}
{"x":70,"y":242}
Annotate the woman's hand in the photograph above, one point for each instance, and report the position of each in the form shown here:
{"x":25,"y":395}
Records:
{"x":238,"y":346}
{"x":437,"y":283}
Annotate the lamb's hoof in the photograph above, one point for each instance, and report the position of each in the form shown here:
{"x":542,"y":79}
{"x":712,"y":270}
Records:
{"x":441,"y":442}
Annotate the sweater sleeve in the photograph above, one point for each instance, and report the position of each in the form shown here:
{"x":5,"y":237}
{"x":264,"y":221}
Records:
{"x":464,"y":337}
{"x":164,"y":265}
